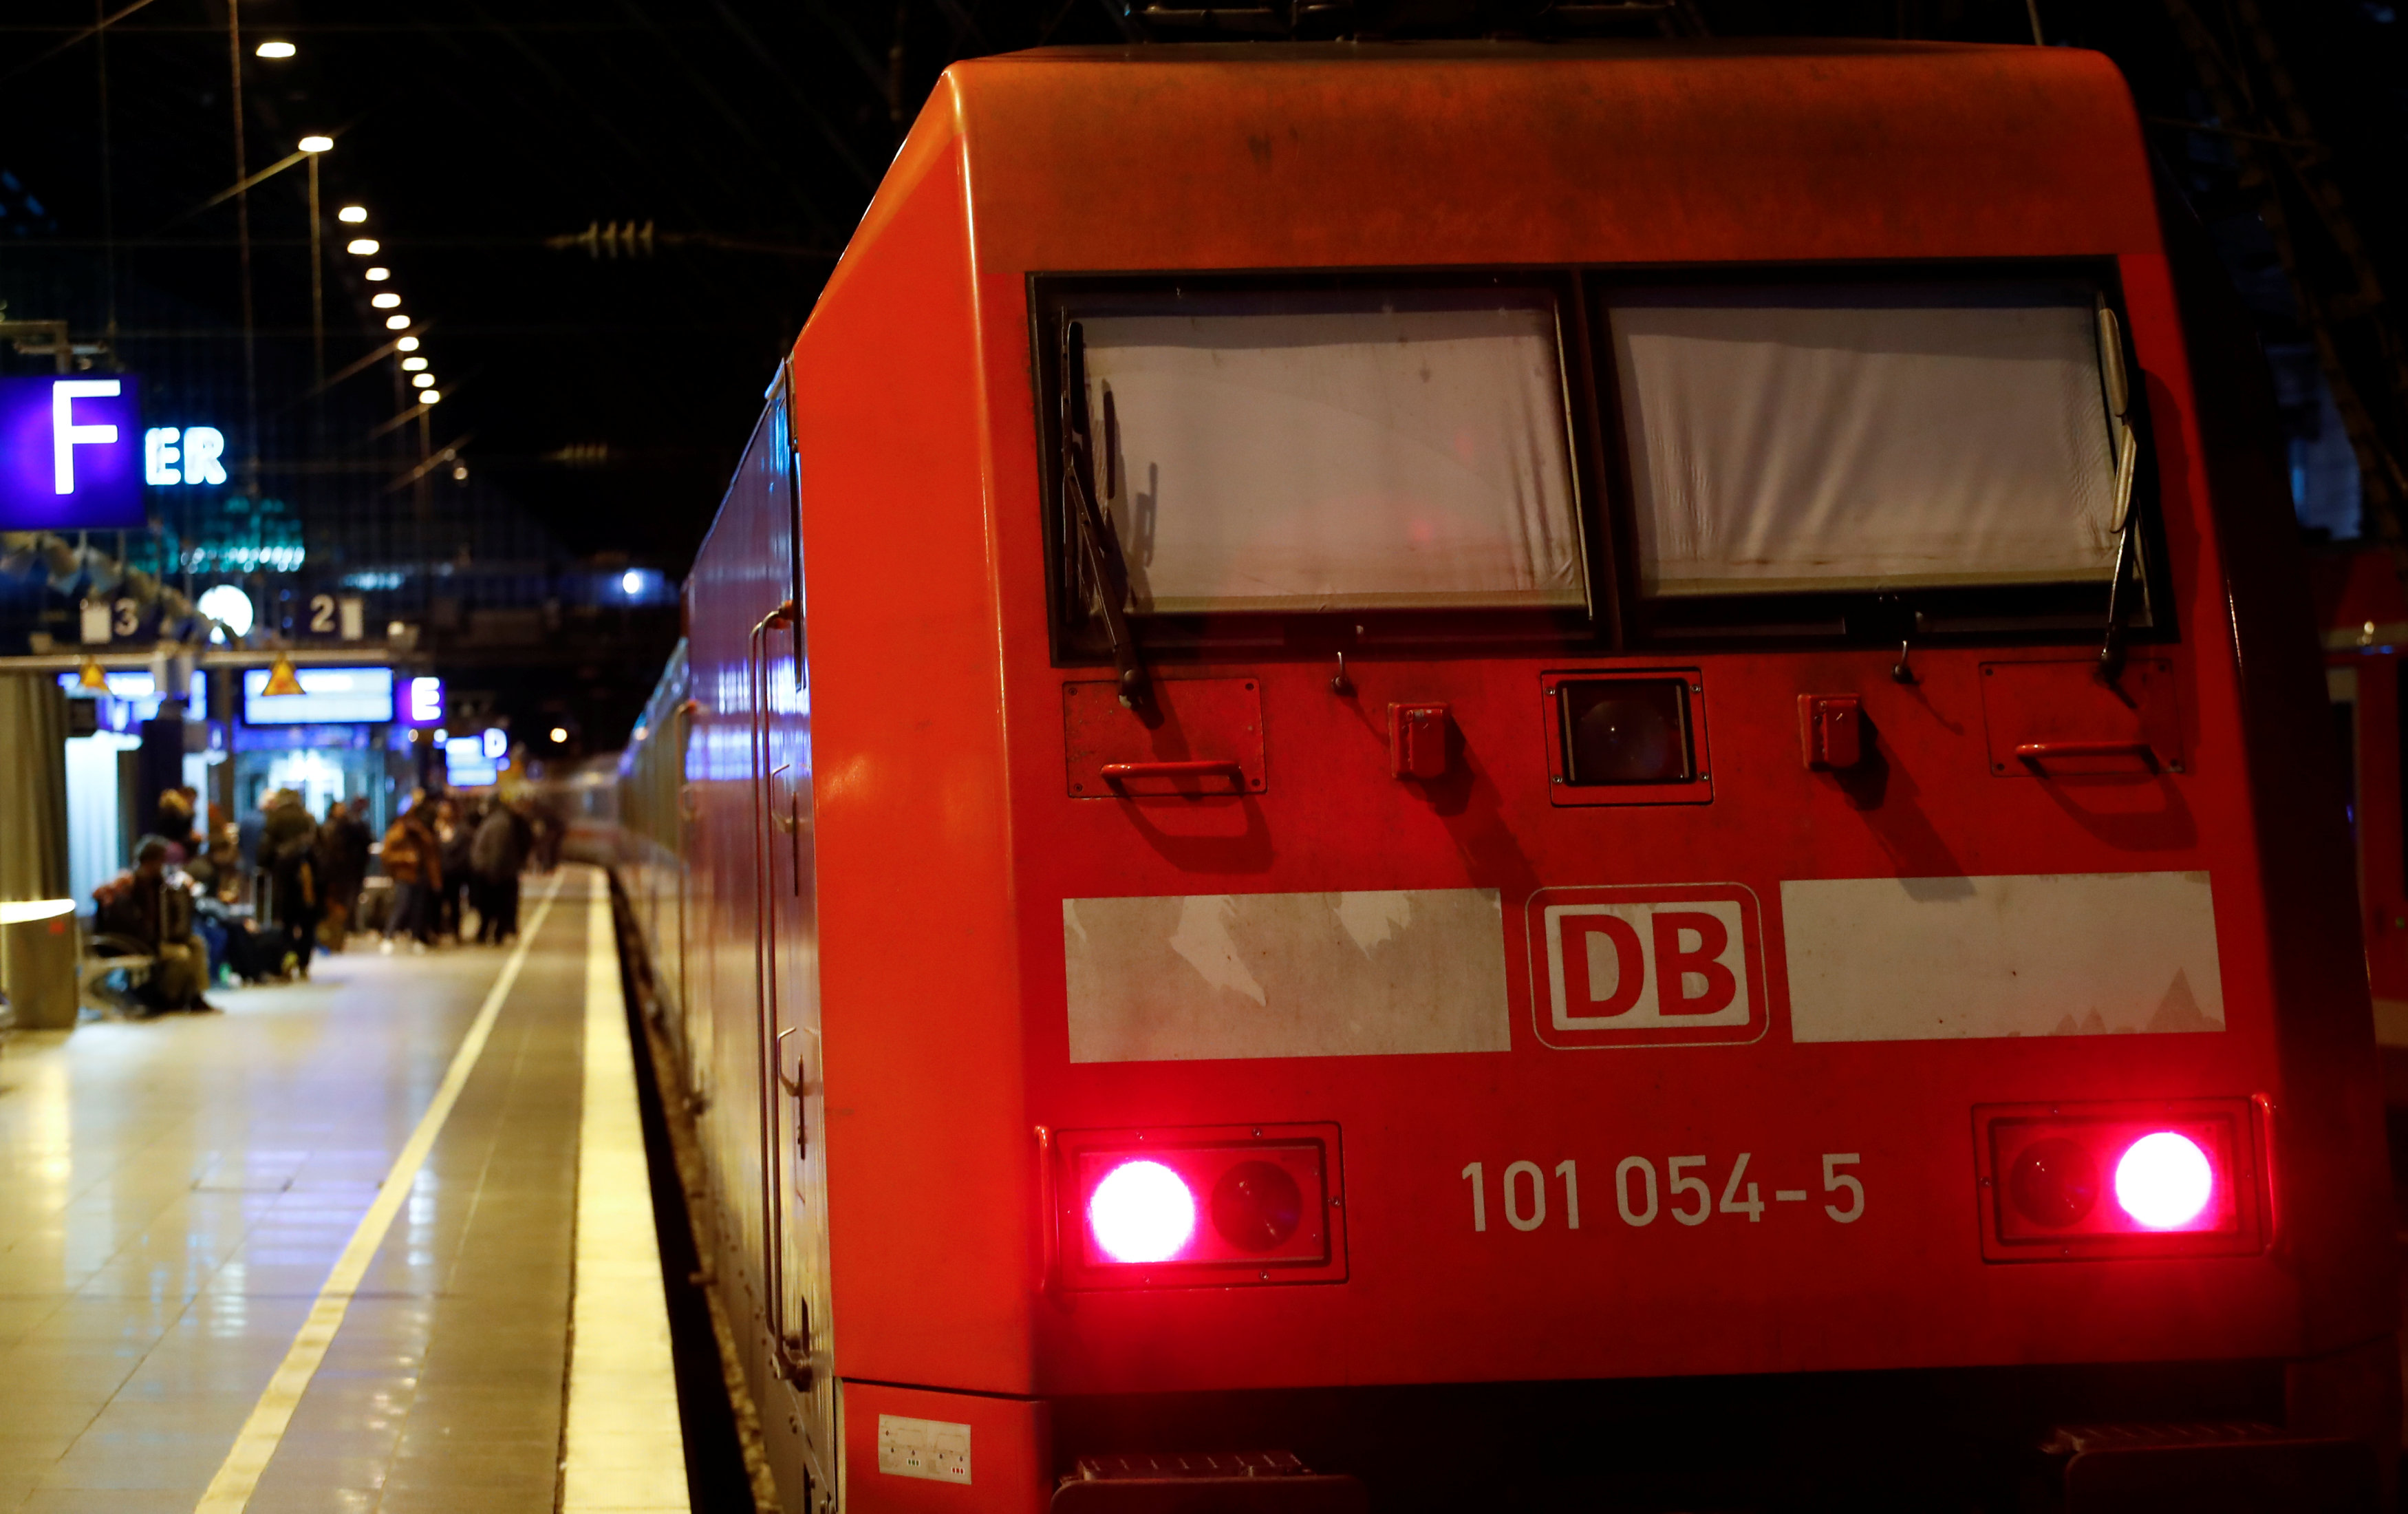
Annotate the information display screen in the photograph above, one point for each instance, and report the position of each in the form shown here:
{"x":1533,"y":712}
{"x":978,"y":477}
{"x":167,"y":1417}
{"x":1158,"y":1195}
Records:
{"x":328,"y":697}
{"x":133,"y":698}
{"x":468,"y":763}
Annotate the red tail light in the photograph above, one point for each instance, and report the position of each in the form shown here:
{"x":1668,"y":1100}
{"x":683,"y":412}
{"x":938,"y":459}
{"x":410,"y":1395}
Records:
{"x":2164,"y":1181}
{"x":1142,"y":1211}
{"x":2065,"y":1181}
{"x":1164,"y":1208}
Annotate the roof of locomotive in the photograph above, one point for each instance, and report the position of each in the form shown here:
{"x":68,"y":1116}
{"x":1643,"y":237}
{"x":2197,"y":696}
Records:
{"x":1322,"y":155}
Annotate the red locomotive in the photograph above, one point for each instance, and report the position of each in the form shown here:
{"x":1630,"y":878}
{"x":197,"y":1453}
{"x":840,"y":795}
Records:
{"x":1504,"y":776}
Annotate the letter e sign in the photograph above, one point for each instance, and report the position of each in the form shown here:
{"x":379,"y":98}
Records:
{"x":1647,"y":965}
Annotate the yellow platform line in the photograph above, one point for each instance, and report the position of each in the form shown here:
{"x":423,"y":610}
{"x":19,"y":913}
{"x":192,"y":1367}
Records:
{"x":624,"y":1448}
{"x":238,"y":1475}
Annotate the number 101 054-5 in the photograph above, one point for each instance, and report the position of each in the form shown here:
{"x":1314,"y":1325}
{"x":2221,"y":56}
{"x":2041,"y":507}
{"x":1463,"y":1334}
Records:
{"x":1685,"y":1193}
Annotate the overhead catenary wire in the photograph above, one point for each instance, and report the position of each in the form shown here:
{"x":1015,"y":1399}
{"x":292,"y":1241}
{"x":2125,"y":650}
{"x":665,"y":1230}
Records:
{"x":79,"y":35}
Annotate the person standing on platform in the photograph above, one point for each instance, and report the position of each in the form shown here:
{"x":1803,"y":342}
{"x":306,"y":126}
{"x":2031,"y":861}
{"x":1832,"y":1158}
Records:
{"x":176,"y":828}
{"x":342,"y":869}
{"x":499,"y":855}
{"x":221,"y":857}
{"x":456,"y":834}
{"x":289,"y":855}
{"x":248,"y":829}
{"x":150,"y":914}
{"x":550,"y":830}
{"x":414,"y":862}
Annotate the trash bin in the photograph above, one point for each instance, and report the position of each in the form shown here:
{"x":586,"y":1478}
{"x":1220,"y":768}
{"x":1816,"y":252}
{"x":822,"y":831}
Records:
{"x":38,"y":944}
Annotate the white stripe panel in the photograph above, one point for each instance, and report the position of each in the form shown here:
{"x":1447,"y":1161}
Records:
{"x":1196,"y":977}
{"x":2036,"y":954}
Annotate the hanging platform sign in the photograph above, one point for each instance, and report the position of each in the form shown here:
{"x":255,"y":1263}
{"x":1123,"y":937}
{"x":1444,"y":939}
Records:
{"x":70,"y":454}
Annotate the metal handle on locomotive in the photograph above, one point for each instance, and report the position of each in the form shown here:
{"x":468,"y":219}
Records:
{"x":2035,"y":754}
{"x":1117,"y":773}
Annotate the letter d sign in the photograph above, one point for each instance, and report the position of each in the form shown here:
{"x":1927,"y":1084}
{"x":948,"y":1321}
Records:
{"x":1631,"y":966}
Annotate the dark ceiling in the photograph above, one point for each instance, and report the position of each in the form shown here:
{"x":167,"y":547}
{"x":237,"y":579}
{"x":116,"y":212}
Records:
{"x":749,"y":135}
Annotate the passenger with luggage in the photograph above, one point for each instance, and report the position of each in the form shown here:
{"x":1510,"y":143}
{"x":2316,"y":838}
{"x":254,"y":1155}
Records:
{"x":413,"y":860}
{"x":239,"y":951}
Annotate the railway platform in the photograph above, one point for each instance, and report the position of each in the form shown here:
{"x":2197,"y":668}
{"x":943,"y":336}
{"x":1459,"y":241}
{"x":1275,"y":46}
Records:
{"x":381,"y":1240}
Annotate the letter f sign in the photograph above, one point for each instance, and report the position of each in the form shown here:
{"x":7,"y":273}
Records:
{"x":65,"y":436}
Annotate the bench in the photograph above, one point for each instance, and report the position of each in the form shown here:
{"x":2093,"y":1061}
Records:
{"x":122,"y":953}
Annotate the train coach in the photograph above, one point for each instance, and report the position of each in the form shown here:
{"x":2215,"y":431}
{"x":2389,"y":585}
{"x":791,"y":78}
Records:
{"x":1504,"y":776}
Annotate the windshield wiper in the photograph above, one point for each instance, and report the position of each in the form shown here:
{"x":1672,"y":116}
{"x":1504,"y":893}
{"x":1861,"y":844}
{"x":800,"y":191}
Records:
{"x":2127,"y":462}
{"x":1086,"y":513}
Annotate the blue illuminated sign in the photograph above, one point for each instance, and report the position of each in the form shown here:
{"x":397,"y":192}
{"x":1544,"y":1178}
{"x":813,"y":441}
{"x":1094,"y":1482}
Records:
{"x":465,"y":764}
{"x":190,"y":455}
{"x":424,"y":702}
{"x":328,"y":697}
{"x":70,"y":454}
{"x":133,"y":698}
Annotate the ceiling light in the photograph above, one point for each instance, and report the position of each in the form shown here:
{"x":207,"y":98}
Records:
{"x":226,"y":604}
{"x":362,"y":246}
{"x":413,"y":364}
{"x":428,"y":396}
{"x":352,"y":215}
{"x":423,"y":380}
{"x":559,"y":736}
{"x":397,"y":323}
{"x":317,"y":144}
{"x":277,"y":50}
{"x":459,"y":473}
{"x":407,"y":344}
{"x":377,"y":276}
{"x":386,"y":301}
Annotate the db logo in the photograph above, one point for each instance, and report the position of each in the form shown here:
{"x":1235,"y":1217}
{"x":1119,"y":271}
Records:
{"x":1656,"y":965}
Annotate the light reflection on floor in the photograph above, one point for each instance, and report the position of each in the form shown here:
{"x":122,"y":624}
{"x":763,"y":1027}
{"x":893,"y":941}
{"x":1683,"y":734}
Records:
{"x":173,"y":1192}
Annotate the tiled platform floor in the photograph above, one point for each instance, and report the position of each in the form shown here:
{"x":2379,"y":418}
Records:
{"x":174,"y":1192}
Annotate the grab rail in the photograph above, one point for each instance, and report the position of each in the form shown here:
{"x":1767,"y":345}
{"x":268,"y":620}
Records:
{"x":1119,"y":774}
{"x":2035,"y":753}
{"x":790,"y":1343}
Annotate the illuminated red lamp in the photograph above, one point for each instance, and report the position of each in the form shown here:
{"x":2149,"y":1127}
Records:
{"x":2164,"y":1181}
{"x":1142,"y":1211}
{"x":1188,"y":1207}
{"x":2067,"y":1181}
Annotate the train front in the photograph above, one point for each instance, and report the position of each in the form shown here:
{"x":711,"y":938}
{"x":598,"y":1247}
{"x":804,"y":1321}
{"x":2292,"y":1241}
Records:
{"x":1662,"y":829}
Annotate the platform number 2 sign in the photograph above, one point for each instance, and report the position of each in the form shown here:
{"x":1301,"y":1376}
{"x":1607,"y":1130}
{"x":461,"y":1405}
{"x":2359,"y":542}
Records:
{"x":344,"y":616}
{"x":1686,"y":1193}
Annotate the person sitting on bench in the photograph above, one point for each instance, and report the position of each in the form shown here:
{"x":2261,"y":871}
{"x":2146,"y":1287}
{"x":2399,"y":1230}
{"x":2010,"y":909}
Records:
{"x":147,"y":909}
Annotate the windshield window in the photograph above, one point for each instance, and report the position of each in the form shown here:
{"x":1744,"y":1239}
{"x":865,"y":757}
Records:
{"x":1829,"y":437}
{"x":1286,"y":451}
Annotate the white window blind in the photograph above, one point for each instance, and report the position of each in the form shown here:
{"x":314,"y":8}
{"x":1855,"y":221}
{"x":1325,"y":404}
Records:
{"x":1297,"y":451}
{"x":1785,"y":439}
